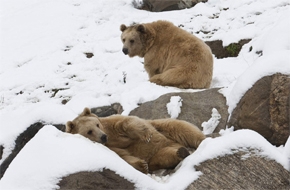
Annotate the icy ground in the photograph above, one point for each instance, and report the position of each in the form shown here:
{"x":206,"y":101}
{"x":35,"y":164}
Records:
{"x":43,"y":63}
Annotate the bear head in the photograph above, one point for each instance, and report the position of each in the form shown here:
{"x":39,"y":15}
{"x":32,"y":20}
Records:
{"x":87,"y":125}
{"x":136,"y":39}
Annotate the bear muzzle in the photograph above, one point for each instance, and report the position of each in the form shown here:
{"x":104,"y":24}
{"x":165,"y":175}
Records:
{"x":104,"y":138}
{"x":125,"y":51}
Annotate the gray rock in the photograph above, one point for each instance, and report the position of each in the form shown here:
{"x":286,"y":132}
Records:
{"x":103,"y":180}
{"x":196,"y":107}
{"x":21,"y":141}
{"x":168,"y":5}
{"x":244,"y":169}
{"x":1,"y":151}
{"x":239,"y":172}
{"x":105,"y":111}
{"x":265,"y":109}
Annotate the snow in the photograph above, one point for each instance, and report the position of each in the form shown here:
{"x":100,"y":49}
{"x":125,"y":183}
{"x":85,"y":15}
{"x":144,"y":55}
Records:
{"x":174,"y":106}
{"x":43,"y":62}
{"x":210,"y":125}
{"x":56,"y":154}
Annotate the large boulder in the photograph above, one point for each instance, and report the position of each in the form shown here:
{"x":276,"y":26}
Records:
{"x":241,"y":170}
{"x":265,"y":109}
{"x":165,"y":5}
{"x":196,"y":107}
{"x":103,"y":180}
{"x":20,"y":142}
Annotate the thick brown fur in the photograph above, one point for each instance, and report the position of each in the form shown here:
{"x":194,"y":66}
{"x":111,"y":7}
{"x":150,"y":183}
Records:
{"x":172,"y":56}
{"x":147,"y":145}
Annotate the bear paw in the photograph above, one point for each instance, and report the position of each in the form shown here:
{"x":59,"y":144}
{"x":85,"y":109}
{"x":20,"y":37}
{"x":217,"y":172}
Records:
{"x":146,"y":135}
{"x":142,"y":166}
{"x":182,"y":152}
{"x":155,"y":79}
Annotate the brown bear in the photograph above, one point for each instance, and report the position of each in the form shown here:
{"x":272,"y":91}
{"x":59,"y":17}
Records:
{"x":147,"y":145}
{"x":172,"y":56}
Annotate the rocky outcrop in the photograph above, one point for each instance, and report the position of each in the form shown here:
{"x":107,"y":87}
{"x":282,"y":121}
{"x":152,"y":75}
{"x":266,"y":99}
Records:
{"x":241,"y":170}
{"x":103,"y":180}
{"x":163,"y":5}
{"x":196,"y":107}
{"x":265,"y":109}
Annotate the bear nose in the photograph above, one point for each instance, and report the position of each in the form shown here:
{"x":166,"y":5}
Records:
{"x":125,"y":51}
{"x":104,"y":138}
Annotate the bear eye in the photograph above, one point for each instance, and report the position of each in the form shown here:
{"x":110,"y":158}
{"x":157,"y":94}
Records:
{"x":131,"y":41}
{"x":98,"y":125}
{"x":90,"y":132}
{"x":124,"y":40}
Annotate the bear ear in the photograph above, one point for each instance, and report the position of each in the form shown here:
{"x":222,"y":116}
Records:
{"x":141,"y":28}
{"x":87,"y":111}
{"x":123,"y":27}
{"x":69,"y":127}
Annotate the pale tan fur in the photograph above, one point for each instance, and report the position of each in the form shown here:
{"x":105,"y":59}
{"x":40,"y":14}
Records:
{"x":147,"y":145}
{"x":172,"y":56}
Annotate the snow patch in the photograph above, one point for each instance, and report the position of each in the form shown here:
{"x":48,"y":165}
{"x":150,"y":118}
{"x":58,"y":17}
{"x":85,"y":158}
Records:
{"x":174,"y":106}
{"x":210,"y":125}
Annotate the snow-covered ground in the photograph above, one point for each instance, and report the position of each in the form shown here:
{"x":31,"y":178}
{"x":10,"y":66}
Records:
{"x":43,"y":63}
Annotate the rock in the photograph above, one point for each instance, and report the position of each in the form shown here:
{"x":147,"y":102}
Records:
{"x":89,"y":55}
{"x":280,"y":108}
{"x":164,"y":5}
{"x":244,"y":169}
{"x":103,"y":180}
{"x":231,"y":50}
{"x":1,"y":151}
{"x":105,"y":111}
{"x":196,"y":107}
{"x":21,"y":141}
{"x":213,"y":135}
{"x":265,"y":109}
{"x":239,"y":171}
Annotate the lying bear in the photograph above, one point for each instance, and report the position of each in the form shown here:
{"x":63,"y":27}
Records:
{"x":147,"y":145}
{"x":172,"y":56}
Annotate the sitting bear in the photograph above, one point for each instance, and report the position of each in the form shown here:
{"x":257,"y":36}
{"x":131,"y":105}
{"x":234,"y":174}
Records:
{"x":172,"y":56}
{"x":147,"y":145}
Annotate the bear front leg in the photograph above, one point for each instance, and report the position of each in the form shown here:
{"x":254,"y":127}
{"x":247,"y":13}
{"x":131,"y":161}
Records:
{"x":138,"y":129}
{"x":168,"y":158}
{"x":137,"y":163}
{"x":181,"y":132}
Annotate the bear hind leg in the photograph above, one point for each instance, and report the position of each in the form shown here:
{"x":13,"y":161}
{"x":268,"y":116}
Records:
{"x":168,"y":158}
{"x":173,"y":77}
{"x":137,"y":163}
{"x":182,"y":152}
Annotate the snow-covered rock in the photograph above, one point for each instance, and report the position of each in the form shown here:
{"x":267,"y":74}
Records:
{"x":46,"y":76}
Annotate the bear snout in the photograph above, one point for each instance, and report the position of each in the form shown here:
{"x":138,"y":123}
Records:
{"x":125,"y":51}
{"x":104,"y":138}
